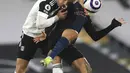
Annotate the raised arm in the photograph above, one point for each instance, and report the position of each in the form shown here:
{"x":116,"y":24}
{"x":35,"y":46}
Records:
{"x":96,"y":35}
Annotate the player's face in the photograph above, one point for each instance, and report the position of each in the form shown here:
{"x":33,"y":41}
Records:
{"x":61,"y":2}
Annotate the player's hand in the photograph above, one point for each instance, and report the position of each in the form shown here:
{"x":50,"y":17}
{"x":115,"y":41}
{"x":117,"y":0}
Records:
{"x":62,"y":14}
{"x":118,"y":22}
{"x":121,"y":20}
{"x":45,"y":62}
{"x":40,"y":37}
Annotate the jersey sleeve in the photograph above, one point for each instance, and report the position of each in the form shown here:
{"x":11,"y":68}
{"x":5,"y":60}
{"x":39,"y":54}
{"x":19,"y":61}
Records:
{"x":42,"y":20}
{"x":45,"y":9}
{"x":96,"y":35}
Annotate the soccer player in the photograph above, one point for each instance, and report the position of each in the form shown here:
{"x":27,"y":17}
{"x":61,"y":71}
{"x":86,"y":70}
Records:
{"x":70,"y":54}
{"x":39,"y":18}
{"x":71,"y":33}
{"x":76,"y":59}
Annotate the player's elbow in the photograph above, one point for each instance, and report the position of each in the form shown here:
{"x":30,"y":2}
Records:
{"x":95,"y":38}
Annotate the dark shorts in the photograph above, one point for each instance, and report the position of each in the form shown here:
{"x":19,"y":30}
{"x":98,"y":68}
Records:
{"x":70,"y":54}
{"x":27,"y":48}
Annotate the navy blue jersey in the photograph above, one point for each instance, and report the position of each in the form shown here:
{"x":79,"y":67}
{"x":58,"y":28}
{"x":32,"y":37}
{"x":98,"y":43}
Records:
{"x":60,"y":26}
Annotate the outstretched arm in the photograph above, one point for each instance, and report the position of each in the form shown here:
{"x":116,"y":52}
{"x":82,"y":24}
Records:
{"x":96,"y":35}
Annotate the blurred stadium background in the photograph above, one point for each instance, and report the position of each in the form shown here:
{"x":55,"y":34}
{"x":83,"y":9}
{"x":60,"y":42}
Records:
{"x":111,"y":54}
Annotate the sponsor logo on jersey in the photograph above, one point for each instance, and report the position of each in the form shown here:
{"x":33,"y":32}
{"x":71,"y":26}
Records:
{"x":47,"y":7}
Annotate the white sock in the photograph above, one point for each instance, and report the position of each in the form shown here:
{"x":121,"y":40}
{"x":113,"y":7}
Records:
{"x":14,"y":71}
{"x":57,"y":68}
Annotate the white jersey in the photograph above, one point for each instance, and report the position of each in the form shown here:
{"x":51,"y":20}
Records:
{"x":37,"y":19}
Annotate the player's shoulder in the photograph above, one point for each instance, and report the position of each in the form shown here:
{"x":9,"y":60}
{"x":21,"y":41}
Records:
{"x":47,"y":2}
{"x":47,"y":5}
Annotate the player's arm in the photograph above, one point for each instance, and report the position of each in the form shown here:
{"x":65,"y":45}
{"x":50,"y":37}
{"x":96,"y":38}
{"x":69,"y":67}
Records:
{"x":42,"y":16}
{"x":96,"y":35}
